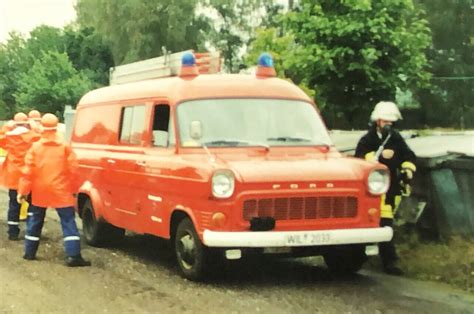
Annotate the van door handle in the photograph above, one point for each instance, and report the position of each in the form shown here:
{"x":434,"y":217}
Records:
{"x":140,"y":163}
{"x":110,"y":161}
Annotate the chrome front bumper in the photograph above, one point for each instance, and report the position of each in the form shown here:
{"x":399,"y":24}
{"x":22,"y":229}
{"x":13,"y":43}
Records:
{"x":296,"y":238}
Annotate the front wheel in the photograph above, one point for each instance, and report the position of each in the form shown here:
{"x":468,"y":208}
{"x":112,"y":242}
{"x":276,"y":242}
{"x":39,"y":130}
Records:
{"x":191,"y":255}
{"x":345,"y":259}
{"x":98,"y":233}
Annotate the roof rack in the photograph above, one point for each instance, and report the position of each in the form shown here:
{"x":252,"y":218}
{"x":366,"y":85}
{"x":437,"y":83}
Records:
{"x":164,"y":66}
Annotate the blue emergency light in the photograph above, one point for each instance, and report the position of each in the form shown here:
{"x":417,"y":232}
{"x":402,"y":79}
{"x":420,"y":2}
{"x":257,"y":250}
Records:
{"x":265,"y":60}
{"x":188,"y":59}
{"x":265,"y":66}
{"x":188,"y":65}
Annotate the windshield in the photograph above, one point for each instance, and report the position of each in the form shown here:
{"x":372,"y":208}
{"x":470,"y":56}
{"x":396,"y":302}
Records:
{"x":250,"y":122}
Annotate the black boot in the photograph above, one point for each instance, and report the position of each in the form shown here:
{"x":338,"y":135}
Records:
{"x":76,"y":261}
{"x":29,"y":257}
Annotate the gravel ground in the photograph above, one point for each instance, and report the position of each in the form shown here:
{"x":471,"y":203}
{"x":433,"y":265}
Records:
{"x":140,"y":276}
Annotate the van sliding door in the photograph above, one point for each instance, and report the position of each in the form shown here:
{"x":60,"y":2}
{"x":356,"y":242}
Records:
{"x":126,"y":166}
{"x":161,"y":162}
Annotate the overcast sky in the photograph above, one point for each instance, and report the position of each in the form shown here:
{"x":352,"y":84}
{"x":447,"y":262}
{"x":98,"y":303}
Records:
{"x":24,"y":15}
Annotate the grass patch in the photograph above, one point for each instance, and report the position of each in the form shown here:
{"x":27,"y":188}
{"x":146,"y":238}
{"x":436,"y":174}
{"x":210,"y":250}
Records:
{"x":448,"y":260}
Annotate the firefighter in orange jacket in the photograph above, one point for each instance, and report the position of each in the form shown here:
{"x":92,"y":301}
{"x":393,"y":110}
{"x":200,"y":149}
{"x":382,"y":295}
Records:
{"x":10,"y":125}
{"x":34,"y":117}
{"x":50,"y":166}
{"x":384,"y":144}
{"x":17,"y":142}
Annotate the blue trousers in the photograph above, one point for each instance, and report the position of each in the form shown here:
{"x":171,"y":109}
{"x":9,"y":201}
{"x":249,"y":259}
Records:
{"x":13,"y":216}
{"x":34,"y":226}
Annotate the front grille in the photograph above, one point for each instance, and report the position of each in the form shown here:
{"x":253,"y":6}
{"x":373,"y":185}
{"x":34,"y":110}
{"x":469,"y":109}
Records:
{"x":284,"y":208}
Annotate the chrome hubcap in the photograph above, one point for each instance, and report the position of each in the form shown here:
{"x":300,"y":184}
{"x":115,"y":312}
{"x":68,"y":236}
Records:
{"x":187,"y":250}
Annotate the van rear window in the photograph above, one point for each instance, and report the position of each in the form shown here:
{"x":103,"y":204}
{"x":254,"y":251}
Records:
{"x":91,"y":127}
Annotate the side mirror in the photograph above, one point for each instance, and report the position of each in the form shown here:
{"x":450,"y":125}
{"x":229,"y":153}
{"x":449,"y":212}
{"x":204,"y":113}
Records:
{"x":195,"y":130}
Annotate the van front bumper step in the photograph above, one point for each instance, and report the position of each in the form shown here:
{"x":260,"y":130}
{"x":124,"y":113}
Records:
{"x":257,"y":239}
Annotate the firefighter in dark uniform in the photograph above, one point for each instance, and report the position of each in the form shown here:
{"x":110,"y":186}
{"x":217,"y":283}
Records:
{"x":384,"y":144}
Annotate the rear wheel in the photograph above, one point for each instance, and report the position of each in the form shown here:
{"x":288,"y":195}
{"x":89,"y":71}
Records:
{"x":345,"y":259}
{"x":192,"y":256}
{"x":98,"y":233}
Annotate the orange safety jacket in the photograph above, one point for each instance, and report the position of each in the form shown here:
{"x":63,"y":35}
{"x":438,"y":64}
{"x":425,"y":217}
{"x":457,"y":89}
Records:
{"x":49,"y":173}
{"x":3,"y":141}
{"x":17,"y":142}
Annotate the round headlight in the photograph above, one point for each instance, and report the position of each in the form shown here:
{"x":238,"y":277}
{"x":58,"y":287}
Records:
{"x":378,"y":181}
{"x":223,"y":182}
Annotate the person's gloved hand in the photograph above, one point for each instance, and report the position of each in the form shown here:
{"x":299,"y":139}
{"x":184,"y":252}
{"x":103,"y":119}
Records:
{"x":388,"y":153}
{"x":20,"y":198}
{"x":408,"y":173}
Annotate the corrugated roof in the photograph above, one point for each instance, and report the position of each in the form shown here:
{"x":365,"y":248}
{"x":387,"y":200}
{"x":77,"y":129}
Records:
{"x":443,"y":145}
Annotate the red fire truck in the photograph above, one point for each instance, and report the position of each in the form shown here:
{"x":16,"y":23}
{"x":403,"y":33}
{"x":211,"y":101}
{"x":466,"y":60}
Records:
{"x":222,"y":165}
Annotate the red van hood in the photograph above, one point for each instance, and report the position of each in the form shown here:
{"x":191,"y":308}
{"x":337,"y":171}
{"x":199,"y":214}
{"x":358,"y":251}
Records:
{"x":298,"y":170}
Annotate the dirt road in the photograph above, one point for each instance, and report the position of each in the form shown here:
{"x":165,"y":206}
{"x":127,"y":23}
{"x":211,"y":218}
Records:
{"x":140,"y":276}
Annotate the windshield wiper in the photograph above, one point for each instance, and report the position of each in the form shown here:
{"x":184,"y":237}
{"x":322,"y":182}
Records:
{"x":288,"y":139}
{"x":232,"y":142}
{"x":222,"y":142}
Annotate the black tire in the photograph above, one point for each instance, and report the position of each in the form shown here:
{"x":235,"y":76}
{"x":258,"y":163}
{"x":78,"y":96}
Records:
{"x":98,"y":233}
{"x":192,"y":256}
{"x":345,"y":259}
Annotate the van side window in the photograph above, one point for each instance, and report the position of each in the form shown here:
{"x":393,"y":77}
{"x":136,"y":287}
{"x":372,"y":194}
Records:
{"x":132,"y":124}
{"x":162,"y":137}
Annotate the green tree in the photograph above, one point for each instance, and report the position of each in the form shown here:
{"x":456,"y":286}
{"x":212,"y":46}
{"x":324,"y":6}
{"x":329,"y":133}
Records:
{"x":4,"y":108}
{"x":50,"y":84}
{"x":84,"y":48}
{"x":353,"y":53}
{"x":89,"y":54}
{"x":235,"y":22}
{"x":269,"y":40}
{"x":137,"y":30}
{"x":44,"y":38}
{"x":13,"y":61}
{"x":449,"y":101}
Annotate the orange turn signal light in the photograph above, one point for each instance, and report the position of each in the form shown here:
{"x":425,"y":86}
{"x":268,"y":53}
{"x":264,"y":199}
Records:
{"x":372,"y":213}
{"x":219,"y":219}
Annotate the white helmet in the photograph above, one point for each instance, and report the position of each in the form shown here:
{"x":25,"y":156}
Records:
{"x":386,"y":110}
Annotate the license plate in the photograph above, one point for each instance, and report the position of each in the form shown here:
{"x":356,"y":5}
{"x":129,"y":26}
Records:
{"x":302,"y":239}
